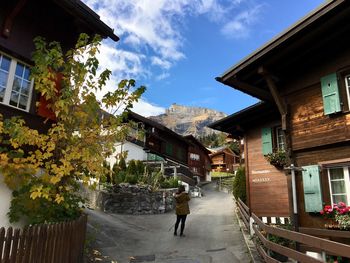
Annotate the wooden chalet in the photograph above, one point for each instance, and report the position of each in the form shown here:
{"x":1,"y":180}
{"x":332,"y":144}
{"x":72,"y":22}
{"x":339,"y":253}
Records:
{"x":21,"y":21}
{"x":198,"y":158}
{"x":266,"y":184}
{"x":164,"y":146}
{"x":303,"y":77}
{"x":224,"y":160}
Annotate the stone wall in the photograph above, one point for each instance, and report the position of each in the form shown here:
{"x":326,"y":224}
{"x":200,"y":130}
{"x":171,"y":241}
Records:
{"x":132,"y":199}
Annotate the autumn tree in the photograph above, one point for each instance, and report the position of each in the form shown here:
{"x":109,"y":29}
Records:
{"x":43,"y":170}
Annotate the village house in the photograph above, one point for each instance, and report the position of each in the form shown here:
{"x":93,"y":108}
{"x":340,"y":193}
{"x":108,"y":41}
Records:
{"x":224,"y":160}
{"x":156,"y":145}
{"x":303,"y":78}
{"x":21,"y":22}
{"x":198,"y":159}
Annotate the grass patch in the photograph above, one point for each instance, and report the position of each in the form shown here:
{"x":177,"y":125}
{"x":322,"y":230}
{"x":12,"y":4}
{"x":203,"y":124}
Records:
{"x":220,"y":174}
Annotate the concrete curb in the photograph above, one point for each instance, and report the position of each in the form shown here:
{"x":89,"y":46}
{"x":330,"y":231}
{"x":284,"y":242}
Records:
{"x":254,"y":255}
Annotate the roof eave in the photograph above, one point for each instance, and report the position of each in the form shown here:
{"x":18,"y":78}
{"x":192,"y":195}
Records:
{"x":80,"y":9}
{"x":279,"y":39}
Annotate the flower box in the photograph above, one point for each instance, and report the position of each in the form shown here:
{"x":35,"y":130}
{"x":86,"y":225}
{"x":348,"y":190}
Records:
{"x":337,"y":216}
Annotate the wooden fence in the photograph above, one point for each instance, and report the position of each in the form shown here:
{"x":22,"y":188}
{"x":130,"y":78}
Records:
{"x":315,"y":243}
{"x":47,"y":243}
{"x":307,"y":237}
{"x":244,"y":211}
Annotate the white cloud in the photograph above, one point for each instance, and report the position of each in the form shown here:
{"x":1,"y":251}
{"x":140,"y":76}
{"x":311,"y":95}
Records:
{"x":152,"y":33}
{"x":164,"y":64}
{"x":147,"y":109}
{"x":239,"y":27}
{"x":154,"y":28}
{"x":163,"y":76}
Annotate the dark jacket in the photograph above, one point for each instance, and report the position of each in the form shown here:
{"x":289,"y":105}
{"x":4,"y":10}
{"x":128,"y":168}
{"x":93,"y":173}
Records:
{"x":182,"y":207}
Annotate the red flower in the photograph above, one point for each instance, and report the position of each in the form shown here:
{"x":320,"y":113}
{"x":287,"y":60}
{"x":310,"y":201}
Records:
{"x":341,"y":204}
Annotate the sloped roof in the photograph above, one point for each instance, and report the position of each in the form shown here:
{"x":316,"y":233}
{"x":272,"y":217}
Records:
{"x":225,"y":150}
{"x":238,"y":122}
{"x":290,"y":50}
{"x":135,"y":116}
{"x":92,"y":20}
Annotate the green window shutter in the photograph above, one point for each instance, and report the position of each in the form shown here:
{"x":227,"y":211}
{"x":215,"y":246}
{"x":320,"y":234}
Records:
{"x":330,"y":94}
{"x":169,"y":148}
{"x":312,"y":189}
{"x":181,"y":154}
{"x":266,"y":138}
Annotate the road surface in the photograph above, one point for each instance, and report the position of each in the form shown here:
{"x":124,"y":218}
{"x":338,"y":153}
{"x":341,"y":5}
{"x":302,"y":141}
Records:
{"x":212,"y":234}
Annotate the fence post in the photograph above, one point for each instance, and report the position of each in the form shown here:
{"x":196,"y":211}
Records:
{"x":251,"y":223}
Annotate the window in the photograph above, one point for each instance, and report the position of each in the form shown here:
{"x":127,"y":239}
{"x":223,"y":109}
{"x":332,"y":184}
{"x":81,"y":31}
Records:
{"x":280,"y":139}
{"x":339,"y":184}
{"x":15,"y":83}
{"x":272,"y":140}
{"x":194,"y":156}
{"x":347,"y":86}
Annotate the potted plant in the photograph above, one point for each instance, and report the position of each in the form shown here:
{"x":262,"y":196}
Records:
{"x":278,"y":159}
{"x":337,"y":216}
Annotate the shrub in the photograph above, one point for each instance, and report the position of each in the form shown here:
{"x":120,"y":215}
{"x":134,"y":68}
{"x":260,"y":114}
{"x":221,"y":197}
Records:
{"x":131,"y":179}
{"x":140,"y":167}
{"x":239,"y":184}
{"x":122,"y":164}
{"x":170,"y":182}
{"x":119,"y":177}
{"x":131,"y":169}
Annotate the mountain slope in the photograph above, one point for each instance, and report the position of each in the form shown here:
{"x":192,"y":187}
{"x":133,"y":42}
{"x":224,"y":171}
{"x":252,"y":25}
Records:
{"x":189,"y":120}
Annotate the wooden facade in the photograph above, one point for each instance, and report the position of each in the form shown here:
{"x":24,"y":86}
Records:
{"x":162,"y":141}
{"x":185,"y":152}
{"x":304,"y":75}
{"x":22,"y":21}
{"x":198,"y":158}
{"x":224,"y":160}
{"x":267,"y":185}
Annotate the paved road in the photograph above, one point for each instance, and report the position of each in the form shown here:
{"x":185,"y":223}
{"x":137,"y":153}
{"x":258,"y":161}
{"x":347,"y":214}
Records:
{"x":212,"y":234}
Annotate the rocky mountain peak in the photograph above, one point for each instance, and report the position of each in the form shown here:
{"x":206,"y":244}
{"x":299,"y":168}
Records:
{"x":187,"y":120}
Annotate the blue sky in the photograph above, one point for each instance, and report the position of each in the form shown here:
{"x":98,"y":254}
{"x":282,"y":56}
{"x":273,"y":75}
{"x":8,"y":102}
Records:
{"x":177,"y":47}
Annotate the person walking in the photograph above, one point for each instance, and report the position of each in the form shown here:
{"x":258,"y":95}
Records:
{"x":182,"y":209}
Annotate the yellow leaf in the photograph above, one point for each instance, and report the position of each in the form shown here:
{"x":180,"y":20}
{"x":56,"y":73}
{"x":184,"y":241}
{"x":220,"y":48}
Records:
{"x":35,"y":195}
{"x":59,"y":199}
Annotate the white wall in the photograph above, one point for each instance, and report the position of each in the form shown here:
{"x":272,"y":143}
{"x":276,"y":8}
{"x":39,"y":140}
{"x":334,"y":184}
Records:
{"x":135,"y":152}
{"x":5,"y":201}
{"x":5,"y":197}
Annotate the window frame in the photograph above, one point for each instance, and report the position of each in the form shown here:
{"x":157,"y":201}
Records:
{"x":10,"y":80}
{"x":194,"y":156}
{"x":346,"y":179}
{"x":347,"y":88}
{"x":270,"y":139}
{"x":279,"y":134}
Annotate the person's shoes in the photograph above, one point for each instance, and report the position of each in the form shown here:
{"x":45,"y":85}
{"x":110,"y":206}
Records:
{"x":175,"y":234}
{"x":182,"y":235}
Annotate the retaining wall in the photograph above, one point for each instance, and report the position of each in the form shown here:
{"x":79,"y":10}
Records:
{"x":132,"y":199}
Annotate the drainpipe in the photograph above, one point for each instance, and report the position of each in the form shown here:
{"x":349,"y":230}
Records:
{"x":292,"y":170}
